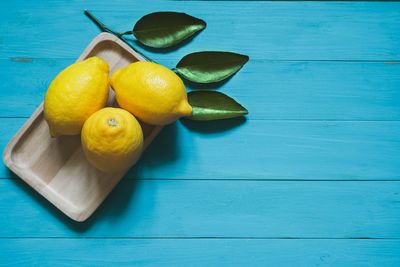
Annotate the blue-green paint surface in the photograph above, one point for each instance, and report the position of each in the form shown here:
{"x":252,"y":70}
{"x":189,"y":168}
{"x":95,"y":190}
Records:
{"x":310,"y":178}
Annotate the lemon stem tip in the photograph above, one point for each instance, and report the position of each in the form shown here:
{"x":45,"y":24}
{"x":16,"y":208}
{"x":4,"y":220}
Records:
{"x":112,"y":122}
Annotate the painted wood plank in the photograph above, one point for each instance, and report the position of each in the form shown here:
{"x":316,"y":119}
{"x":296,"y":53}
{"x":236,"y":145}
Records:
{"x":215,"y":209}
{"x":264,"y":30}
{"x":210,"y":252}
{"x":269,"y":89}
{"x":267,"y":150}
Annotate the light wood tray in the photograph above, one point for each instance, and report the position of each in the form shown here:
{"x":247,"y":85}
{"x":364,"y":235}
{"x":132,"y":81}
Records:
{"x":57,"y":167}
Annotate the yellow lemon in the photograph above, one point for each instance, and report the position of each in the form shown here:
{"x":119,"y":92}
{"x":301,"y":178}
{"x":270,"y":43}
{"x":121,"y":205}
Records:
{"x":76,"y":93}
{"x":112,"y":139}
{"x":152,"y":92}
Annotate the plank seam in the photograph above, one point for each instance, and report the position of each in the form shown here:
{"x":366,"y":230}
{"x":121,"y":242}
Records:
{"x":243,"y":180}
{"x":200,"y":238}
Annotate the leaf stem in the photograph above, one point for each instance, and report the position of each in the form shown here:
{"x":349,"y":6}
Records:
{"x":104,"y":28}
{"x":125,"y":33}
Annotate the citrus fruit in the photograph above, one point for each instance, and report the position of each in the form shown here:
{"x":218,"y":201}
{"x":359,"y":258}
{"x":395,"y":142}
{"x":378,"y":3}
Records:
{"x":152,"y":92}
{"x":112,"y":139}
{"x":76,"y":93}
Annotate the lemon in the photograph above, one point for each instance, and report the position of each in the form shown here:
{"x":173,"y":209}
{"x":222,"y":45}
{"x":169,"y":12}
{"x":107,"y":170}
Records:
{"x":112,"y":139}
{"x":152,"y":92}
{"x":76,"y":93}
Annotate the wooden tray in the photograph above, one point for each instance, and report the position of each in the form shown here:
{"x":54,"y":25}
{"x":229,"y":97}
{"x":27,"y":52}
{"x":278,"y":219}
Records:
{"x":57,"y":167}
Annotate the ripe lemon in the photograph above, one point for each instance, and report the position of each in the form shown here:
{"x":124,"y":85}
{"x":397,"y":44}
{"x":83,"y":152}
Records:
{"x":76,"y":93}
{"x":152,"y":92}
{"x":112,"y":139}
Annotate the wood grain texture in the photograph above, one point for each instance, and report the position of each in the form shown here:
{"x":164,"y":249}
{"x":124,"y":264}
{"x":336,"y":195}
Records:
{"x":210,"y":252}
{"x":263,"y":30}
{"x":299,"y":90}
{"x":215,"y":209}
{"x":322,"y":87}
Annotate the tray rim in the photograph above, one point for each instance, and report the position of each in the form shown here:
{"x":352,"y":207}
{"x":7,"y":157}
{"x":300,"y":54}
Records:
{"x":36,"y":183}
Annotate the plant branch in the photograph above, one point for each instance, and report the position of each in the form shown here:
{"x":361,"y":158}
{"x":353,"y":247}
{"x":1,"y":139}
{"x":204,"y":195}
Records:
{"x":104,"y":28}
{"x":98,"y":23}
{"x":125,"y":33}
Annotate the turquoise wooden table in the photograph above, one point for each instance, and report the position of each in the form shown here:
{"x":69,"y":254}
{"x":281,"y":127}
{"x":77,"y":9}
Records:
{"x":310,"y":178}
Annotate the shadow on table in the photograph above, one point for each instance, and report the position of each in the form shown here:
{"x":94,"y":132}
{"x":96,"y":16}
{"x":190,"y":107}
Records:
{"x":207,"y":127}
{"x":174,"y":48}
{"x":161,"y":151}
{"x":119,"y":197}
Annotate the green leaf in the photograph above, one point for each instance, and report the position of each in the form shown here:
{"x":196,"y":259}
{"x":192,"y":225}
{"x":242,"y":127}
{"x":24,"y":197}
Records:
{"x":211,"y":105}
{"x":210,"y":66}
{"x":166,"y":29}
